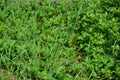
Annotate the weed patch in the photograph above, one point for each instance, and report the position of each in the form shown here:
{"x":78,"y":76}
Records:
{"x":64,"y":40}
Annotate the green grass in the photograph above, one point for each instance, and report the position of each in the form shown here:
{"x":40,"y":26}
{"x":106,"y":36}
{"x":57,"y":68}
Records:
{"x":65,"y":40}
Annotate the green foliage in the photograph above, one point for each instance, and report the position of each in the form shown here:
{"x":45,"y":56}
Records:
{"x":64,"y":40}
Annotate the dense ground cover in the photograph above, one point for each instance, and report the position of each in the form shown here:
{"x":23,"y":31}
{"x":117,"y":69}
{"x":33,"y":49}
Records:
{"x":65,"y":40}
